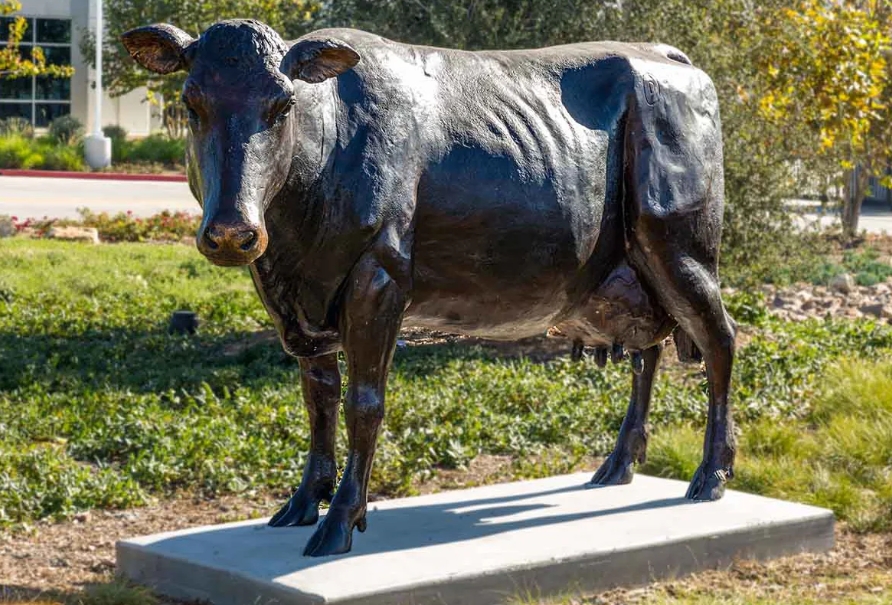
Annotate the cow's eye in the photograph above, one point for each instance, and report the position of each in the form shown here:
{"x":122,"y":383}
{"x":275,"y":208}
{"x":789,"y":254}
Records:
{"x":193,"y":115}
{"x":282,"y":108}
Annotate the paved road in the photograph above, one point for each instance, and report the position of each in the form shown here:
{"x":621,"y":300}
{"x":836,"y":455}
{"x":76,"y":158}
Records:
{"x":32,"y":197}
{"x":875,"y":217}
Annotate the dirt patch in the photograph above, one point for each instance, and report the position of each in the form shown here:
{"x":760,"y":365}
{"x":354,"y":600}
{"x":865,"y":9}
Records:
{"x":859,"y":566}
{"x":59,"y":559}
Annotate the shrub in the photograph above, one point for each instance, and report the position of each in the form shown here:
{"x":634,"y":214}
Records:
{"x":44,"y":153}
{"x":67,"y":130}
{"x":16,"y":151}
{"x":156,"y":148}
{"x":120,"y":145}
{"x":124,"y":227}
{"x":115,"y":133}
{"x":63,"y":157}
{"x":16,"y":126}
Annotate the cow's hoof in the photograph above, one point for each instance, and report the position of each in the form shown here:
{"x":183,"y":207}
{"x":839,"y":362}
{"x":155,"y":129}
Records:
{"x":301,"y":509}
{"x":334,"y":536}
{"x":708,"y":484}
{"x":616,"y":470}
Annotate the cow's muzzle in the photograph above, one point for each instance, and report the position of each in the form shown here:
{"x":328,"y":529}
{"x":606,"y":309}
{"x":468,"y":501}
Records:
{"x":232,"y":244}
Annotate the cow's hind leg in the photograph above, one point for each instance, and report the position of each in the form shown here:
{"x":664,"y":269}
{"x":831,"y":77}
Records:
{"x":690,"y":292}
{"x":673,"y":216}
{"x":321,"y":384}
{"x":631,"y":446}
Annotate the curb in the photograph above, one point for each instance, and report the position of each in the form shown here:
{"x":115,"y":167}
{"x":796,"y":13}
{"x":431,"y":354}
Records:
{"x":96,"y":176}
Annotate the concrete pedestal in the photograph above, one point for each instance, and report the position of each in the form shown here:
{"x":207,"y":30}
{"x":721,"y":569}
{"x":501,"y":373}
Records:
{"x":481,"y":546}
{"x":98,"y":152}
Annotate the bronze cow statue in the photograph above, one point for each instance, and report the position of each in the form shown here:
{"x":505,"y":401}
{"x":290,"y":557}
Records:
{"x":499,"y":194}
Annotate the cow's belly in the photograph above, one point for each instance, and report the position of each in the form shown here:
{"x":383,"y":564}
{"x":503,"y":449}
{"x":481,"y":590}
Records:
{"x":496,"y":251}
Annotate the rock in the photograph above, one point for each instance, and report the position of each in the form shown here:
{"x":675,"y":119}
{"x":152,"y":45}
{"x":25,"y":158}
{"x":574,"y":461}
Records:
{"x":7,"y":228}
{"x":183,"y":322}
{"x":82,"y":517}
{"x":844,"y":283}
{"x":874,"y":310}
{"x":74,"y":234}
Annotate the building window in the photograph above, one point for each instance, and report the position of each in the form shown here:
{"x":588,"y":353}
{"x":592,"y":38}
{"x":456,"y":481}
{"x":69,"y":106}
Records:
{"x":39,"y":99}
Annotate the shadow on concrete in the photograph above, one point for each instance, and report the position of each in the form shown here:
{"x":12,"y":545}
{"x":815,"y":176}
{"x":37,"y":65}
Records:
{"x":274,"y":552}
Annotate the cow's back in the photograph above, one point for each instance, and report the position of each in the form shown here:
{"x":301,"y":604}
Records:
{"x":519,"y":161}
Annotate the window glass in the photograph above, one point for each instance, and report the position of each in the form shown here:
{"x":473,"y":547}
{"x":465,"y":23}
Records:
{"x":15,"y":110}
{"x":5,"y":22}
{"x":57,"y":55}
{"x":18,"y":88}
{"x":53,"y":31}
{"x":54,"y":89}
{"x":47,"y":112}
{"x":39,"y":99}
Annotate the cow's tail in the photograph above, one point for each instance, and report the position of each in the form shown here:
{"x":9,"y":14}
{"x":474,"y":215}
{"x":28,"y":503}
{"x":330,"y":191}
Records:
{"x":685,"y":348}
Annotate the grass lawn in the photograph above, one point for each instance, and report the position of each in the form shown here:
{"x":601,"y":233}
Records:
{"x":101,"y":408}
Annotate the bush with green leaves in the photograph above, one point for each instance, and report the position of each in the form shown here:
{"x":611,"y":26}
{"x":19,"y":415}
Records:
{"x":115,"y":132}
{"x":67,"y":130}
{"x":43,"y":153}
{"x":153,"y":149}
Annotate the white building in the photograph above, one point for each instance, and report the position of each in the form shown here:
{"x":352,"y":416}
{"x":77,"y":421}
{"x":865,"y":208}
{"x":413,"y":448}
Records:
{"x":56,"y":26}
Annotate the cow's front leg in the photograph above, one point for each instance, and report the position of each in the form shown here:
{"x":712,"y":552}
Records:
{"x":370,"y":321}
{"x":321,"y":385}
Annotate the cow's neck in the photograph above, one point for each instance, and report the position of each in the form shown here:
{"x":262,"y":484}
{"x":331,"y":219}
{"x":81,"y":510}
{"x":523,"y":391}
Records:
{"x":300,"y":221}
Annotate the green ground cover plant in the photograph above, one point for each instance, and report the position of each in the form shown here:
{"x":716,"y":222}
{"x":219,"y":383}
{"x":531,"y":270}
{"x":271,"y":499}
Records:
{"x":100,"y":407}
{"x":865,"y":264}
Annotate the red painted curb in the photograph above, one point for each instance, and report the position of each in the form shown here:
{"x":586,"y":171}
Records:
{"x":96,"y":176}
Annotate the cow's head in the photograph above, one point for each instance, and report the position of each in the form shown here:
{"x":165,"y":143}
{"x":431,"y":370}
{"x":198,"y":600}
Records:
{"x":240,"y":96}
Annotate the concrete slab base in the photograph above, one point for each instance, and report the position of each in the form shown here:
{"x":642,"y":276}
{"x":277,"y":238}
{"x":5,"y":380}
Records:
{"x":481,"y":546}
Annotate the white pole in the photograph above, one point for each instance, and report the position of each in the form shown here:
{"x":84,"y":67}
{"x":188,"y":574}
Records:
{"x":97,"y":147}
{"x":97,"y":116}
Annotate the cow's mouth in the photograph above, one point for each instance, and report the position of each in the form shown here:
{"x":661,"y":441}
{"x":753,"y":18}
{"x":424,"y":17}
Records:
{"x":228,"y":261}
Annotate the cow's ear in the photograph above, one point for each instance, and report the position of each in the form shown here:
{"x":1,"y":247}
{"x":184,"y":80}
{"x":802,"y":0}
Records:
{"x":160,"y":48}
{"x":317,"y":59}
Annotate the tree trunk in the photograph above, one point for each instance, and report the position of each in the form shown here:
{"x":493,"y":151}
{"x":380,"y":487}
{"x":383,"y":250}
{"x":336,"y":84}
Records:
{"x":853,"y":196}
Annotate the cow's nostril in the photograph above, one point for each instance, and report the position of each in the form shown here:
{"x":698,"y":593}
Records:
{"x":247,"y":240}
{"x":211,"y":239}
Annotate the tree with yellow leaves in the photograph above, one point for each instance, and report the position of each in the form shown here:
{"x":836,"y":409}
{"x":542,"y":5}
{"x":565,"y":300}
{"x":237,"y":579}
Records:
{"x":12,"y":64}
{"x":825,"y":66}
